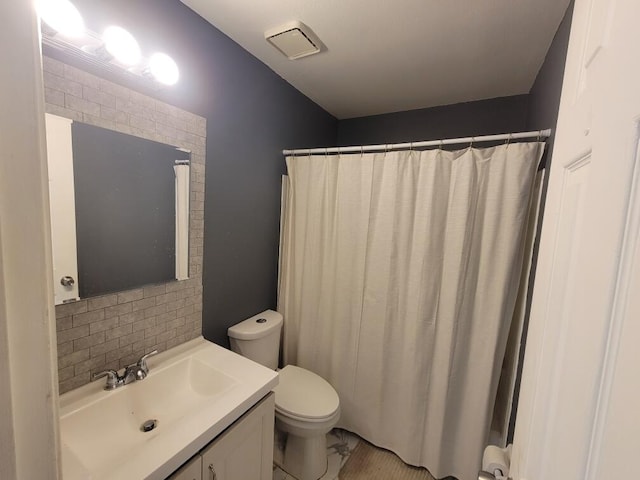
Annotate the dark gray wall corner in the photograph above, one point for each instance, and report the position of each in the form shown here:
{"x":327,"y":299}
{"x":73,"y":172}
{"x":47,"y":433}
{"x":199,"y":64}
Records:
{"x":544,"y":105}
{"x":483,"y":117}
{"x":544,"y":97}
{"x":252,"y":114}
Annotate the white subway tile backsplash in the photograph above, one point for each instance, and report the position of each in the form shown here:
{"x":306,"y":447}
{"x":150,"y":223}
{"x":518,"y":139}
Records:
{"x":54,"y":97}
{"x":127,"y":340}
{"x":113,"y":331}
{"x":154,"y":291}
{"x":154,"y":311}
{"x":90,"y":364}
{"x":87,"y":318}
{"x":53,"y":66}
{"x":65,"y":373}
{"x":101,"y":348}
{"x":61,"y":84}
{"x":103,"y":325}
{"x":75,"y":382}
{"x":73,"y":333}
{"x":123,"y":351}
{"x":96,"y":303}
{"x":73,"y":358}
{"x":90,"y":341}
{"x":98,"y":121}
{"x":78,"y":104}
{"x":65,"y":348}
{"x":176,"y":304}
{"x":130,"y":296}
{"x":131,"y":317}
{"x":118,"y":332}
{"x":80,"y":76}
{"x":143,"y":304}
{"x":114,"y":89}
{"x":99,"y":97}
{"x":117,"y":310}
{"x":64,"y":323}
{"x":166,"y":298}
{"x":142,"y":123}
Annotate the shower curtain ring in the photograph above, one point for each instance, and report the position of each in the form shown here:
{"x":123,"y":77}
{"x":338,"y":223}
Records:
{"x":508,"y":140}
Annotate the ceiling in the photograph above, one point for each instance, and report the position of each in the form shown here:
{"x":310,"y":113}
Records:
{"x":393,"y":55}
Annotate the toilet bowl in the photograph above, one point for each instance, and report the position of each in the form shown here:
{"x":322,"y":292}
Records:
{"x":307,"y":406}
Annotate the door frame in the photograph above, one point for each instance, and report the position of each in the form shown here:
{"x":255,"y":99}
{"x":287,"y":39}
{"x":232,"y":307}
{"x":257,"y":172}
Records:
{"x":29,"y":436}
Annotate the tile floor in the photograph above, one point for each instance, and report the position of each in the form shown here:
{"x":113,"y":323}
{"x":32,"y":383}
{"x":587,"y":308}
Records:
{"x":340,"y":444}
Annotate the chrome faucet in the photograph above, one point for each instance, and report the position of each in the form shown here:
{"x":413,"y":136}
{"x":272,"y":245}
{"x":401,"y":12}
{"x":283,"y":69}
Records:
{"x":134,"y":372}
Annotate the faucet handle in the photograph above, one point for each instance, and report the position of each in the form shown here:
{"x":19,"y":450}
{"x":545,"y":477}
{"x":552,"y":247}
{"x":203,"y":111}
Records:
{"x":142,"y":363}
{"x":112,"y":378}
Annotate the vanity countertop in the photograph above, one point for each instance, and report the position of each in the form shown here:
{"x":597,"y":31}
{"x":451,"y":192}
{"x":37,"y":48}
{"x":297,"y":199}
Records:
{"x":193,"y":391}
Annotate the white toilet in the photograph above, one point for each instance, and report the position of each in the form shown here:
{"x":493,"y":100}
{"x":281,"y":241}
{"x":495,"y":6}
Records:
{"x":307,"y":406}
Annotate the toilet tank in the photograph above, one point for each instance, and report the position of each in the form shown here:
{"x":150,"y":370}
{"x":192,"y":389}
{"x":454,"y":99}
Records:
{"x":258,"y":338}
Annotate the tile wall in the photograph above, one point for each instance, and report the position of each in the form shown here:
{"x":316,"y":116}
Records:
{"x":112,"y":331}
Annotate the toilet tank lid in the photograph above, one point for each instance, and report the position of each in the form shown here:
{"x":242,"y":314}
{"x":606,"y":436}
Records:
{"x":257,"y":326}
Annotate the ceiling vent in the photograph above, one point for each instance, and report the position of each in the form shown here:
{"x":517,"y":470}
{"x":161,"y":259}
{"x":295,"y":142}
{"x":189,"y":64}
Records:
{"x":294,"y":40}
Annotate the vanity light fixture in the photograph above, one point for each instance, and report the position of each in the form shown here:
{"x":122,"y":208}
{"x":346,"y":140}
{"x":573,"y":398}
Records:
{"x":164,"y":69}
{"x":122,"y":45}
{"x":116,"y":50}
{"x":62,"y":16}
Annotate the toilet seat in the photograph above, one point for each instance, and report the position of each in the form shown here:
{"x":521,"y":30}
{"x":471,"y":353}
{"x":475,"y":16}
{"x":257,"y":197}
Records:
{"x":303,"y":395}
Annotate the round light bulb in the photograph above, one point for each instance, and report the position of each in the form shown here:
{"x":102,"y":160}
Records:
{"x":164,"y":69}
{"x":122,"y":45}
{"x":62,"y":16}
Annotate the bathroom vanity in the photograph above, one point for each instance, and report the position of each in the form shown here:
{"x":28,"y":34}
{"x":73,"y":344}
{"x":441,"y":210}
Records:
{"x":208,"y":413}
{"x":244,"y":450}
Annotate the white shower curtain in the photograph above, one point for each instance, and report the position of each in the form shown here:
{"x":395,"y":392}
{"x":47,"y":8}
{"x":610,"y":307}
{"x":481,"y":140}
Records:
{"x":399,"y":273}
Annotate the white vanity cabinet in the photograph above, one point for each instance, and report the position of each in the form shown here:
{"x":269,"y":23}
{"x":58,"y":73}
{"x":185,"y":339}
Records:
{"x":192,"y":470}
{"x":244,"y":451}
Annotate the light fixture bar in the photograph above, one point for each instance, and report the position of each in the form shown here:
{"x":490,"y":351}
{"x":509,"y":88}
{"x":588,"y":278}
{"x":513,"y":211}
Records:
{"x":90,"y":49}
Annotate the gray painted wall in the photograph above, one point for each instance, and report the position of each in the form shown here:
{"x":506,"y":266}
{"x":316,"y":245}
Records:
{"x":544,"y":104}
{"x":536,"y":111}
{"x":252,"y":114}
{"x":544,"y":97}
{"x":484,"y":117}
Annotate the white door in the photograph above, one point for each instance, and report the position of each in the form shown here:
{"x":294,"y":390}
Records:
{"x":579,"y":413}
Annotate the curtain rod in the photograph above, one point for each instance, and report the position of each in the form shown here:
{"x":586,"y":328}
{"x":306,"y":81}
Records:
{"x":430,"y":143}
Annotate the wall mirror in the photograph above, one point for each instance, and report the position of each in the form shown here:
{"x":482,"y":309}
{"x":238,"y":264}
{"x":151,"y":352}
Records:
{"x":119,"y":210}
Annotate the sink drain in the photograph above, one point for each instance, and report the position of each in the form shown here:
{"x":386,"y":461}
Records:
{"x":149,"y":425}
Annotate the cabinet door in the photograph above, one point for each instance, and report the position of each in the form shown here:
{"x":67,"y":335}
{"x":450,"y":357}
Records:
{"x":63,"y":208}
{"x":192,"y":470}
{"x":245,"y":450}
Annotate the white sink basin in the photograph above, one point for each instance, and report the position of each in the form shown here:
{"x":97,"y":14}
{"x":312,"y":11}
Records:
{"x":193,"y":392}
